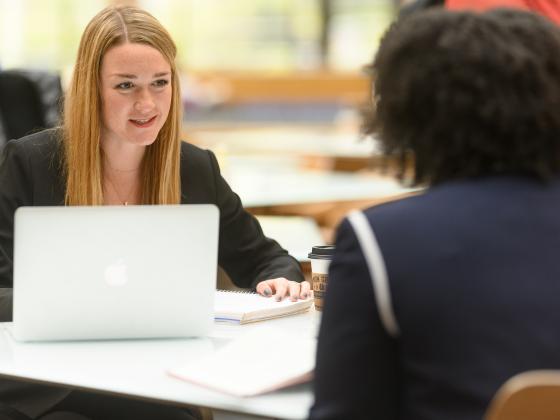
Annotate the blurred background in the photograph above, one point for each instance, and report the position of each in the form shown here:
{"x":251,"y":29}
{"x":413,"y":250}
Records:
{"x":273,"y":87}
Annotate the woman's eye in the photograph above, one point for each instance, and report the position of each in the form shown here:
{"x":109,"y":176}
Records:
{"x":161,"y":83}
{"x":124,"y":85}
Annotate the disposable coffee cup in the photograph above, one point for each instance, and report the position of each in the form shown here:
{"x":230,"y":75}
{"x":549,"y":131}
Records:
{"x":320,"y":257}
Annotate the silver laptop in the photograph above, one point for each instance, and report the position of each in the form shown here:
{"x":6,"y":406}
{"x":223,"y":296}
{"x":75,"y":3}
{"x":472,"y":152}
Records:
{"x":114,"y":272}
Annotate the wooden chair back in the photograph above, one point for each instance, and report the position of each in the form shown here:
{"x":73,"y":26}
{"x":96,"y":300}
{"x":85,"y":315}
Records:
{"x":532,"y":395}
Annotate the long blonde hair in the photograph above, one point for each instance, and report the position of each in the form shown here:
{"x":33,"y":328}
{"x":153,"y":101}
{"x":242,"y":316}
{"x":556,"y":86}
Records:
{"x":82,"y":162}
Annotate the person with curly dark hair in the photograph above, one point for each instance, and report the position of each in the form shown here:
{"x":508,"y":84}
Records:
{"x":435,"y":300}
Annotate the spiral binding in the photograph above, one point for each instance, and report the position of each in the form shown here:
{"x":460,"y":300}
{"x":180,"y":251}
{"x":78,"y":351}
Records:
{"x":243,"y":292}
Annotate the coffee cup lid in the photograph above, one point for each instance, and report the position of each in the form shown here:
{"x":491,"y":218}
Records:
{"x":324,"y":252}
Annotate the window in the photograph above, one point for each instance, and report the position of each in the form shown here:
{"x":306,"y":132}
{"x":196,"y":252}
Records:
{"x":43,"y":34}
{"x":274,"y":35}
{"x":278,"y":36}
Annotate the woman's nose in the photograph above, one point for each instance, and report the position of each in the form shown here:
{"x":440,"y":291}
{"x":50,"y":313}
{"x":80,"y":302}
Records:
{"x":144,"y":101}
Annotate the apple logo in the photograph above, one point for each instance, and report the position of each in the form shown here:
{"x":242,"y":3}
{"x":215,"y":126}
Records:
{"x":116,"y":273}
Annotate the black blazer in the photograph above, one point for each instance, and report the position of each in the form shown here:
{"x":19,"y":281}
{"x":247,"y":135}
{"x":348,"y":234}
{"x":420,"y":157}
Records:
{"x":30,"y":175}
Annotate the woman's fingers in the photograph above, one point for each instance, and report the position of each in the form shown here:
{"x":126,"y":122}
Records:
{"x":266,"y":288}
{"x":281,"y":288}
{"x":305,"y":291}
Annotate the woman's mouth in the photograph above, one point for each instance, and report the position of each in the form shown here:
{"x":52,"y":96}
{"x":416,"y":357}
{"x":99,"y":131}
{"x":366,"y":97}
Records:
{"x":143,"y":123}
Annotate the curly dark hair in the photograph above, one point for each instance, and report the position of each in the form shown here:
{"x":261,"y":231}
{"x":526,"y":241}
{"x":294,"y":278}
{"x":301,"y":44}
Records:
{"x":469,"y":94}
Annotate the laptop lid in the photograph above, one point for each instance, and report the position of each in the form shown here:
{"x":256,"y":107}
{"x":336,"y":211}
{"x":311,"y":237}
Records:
{"x":111,"y":272}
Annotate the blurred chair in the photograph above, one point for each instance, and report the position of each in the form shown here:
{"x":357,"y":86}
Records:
{"x":29,"y":102}
{"x":532,"y":395}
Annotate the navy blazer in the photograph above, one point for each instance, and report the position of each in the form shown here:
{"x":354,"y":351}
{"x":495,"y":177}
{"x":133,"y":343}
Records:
{"x":474,"y":276}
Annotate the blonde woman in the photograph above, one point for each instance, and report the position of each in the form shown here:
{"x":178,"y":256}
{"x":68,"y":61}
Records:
{"x":120,"y":145}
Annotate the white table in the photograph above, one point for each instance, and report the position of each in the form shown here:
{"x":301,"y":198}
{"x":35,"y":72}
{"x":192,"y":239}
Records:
{"x":138,"y":368}
{"x":327,"y":141}
{"x":279,"y":180}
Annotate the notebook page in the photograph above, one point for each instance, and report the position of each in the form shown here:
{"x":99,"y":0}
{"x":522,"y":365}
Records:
{"x":240,"y":368}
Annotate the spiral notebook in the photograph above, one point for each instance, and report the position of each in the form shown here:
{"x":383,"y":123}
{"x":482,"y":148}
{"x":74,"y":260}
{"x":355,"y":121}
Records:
{"x":243,"y":307}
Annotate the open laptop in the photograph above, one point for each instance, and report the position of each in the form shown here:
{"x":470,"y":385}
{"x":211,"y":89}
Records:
{"x":114,"y":272}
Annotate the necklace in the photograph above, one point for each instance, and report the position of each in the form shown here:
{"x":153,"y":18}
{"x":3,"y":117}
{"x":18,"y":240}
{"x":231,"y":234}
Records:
{"x":126,"y":201}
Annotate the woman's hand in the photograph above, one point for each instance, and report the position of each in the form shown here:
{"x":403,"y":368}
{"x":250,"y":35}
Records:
{"x":281,"y":288}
